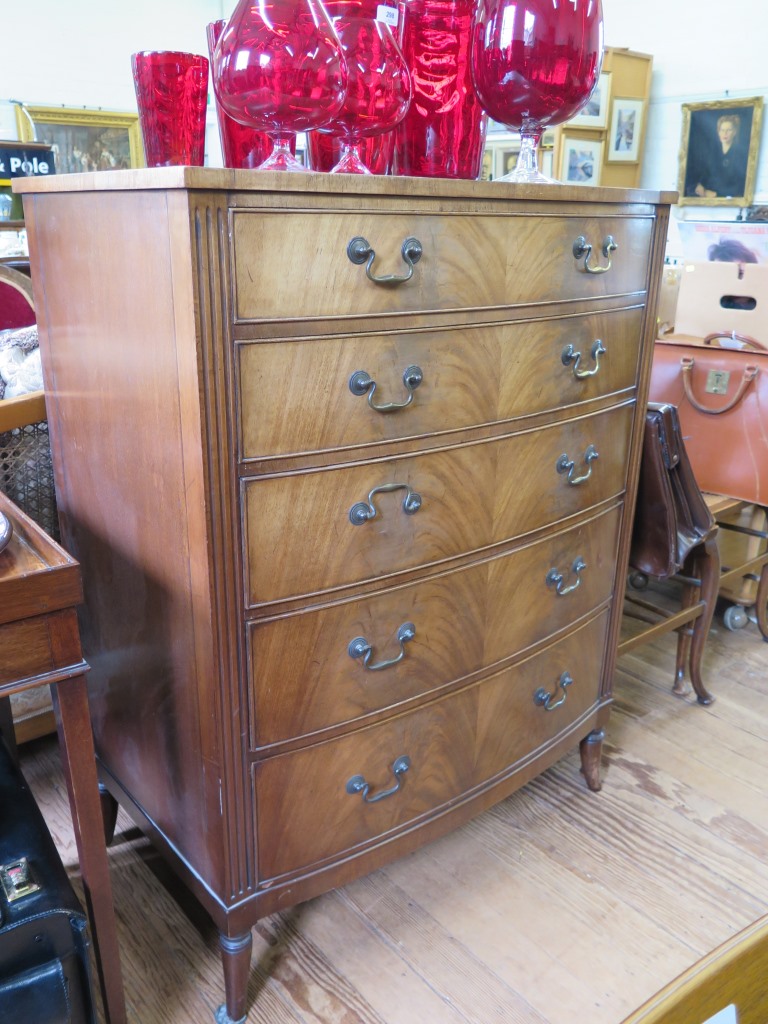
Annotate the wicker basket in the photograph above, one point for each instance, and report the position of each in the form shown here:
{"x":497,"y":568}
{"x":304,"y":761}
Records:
{"x":26,"y":470}
{"x":26,"y":476}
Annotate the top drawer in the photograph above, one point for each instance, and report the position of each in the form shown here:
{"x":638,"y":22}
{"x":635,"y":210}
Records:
{"x":295,"y":265}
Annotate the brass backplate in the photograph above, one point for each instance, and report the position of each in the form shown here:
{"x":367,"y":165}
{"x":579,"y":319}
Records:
{"x":717,"y":382}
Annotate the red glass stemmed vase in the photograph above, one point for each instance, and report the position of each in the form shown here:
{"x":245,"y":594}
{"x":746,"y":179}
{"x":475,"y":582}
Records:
{"x":278,"y":67}
{"x":378,"y":87}
{"x":535,"y":64}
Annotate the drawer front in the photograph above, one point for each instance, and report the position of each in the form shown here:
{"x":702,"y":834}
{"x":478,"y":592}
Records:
{"x":469,"y":377}
{"x":471,"y":497}
{"x":463,"y":741}
{"x":467,"y":261}
{"x":304,"y":679}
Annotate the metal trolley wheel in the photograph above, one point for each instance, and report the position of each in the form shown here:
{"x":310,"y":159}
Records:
{"x":735,"y":617}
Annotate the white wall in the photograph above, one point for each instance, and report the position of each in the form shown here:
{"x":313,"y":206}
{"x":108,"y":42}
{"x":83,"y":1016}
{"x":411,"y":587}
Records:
{"x":702,"y":50}
{"x":78,"y":54}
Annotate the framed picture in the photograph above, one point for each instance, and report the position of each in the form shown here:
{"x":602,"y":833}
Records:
{"x":82,"y":139}
{"x":626,"y":131}
{"x":718,"y":152}
{"x":595,"y":113}
{"x":581,"y":161}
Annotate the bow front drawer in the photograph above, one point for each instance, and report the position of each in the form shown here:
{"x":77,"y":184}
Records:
{"x":340,"y":663}
{"x":353,"y":392}
{"x":371,"y":520}
{"x":312,"y":804}
{"x":466,"y":262}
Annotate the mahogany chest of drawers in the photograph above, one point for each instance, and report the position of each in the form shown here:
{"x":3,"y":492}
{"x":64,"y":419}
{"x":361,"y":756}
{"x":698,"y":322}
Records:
{"x":348,"y":466}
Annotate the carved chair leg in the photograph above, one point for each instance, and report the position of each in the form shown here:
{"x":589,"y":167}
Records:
{"x":236,"y":960}
{"x":109,"y":808}
{"x":591,"y":748}
{"x":707,"y":566}
{"x":761,"y":603}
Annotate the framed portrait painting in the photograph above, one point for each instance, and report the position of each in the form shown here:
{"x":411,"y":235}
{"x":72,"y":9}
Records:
{"x":581,"y":161}
{"x":625,"y":131}
{"x":718,"y":152}
{"x":82,"y":139}
{"x":595,"y":113}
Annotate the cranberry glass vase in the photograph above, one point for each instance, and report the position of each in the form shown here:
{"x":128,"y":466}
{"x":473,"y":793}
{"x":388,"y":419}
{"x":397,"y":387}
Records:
{"x":535,"y":64}
{"x":443,"y":133}
{"x":278,"y":67}
{"x":378,"y":87}
{"x":171,"y":94}
{"x":241,"y":146}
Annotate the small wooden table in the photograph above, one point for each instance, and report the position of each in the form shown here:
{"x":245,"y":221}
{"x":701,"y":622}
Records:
{"x":40,"y":588}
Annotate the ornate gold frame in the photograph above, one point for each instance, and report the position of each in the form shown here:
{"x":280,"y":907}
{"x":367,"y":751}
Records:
{"x":39,"y":117}
{"x":717,"y":108}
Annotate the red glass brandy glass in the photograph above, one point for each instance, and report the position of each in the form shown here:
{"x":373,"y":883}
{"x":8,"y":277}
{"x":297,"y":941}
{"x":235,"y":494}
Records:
{"x":324,"y":151}
{"x":535,"y":64}
{"x":378,"y":87}
{"x":241,"y":146}
{"x":443,"y":133}
{"x":278,"y":67}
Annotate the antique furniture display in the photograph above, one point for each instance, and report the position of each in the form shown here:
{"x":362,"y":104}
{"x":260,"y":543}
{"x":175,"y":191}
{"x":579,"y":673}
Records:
{"x":40,"y":588}
{"x":349,"y":465}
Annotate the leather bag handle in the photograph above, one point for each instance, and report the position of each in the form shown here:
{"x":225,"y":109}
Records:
{"x":745,"y":339}
{"x":750,"y":372}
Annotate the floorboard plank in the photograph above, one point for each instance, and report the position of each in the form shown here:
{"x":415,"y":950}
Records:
{"x":557,"y":906}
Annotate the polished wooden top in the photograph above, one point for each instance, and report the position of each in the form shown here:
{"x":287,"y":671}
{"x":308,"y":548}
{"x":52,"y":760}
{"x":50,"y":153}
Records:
{"x":313,"y":182}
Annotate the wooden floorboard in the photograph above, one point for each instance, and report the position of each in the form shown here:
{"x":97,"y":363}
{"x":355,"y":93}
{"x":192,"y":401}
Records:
{"x":557,"y":906}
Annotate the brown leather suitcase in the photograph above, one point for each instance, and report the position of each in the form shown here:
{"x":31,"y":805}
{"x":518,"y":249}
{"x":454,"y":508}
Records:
{"x":720,"y":385}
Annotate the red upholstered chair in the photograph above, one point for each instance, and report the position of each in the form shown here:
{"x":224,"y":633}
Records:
{"x":17,"y":307}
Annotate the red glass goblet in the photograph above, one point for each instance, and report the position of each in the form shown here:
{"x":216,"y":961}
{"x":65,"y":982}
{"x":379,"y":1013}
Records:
{"x":376,"y":151}
{"x":378,"y":87}
{"x":241,"y":146}
{"x":535,"y":64}
{"x":278,"y":67}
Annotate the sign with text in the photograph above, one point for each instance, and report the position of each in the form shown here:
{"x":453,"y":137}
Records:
{"x":20,"y":161}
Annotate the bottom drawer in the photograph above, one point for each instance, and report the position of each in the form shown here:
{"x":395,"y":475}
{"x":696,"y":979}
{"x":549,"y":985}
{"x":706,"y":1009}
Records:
{"x":305,"y":813}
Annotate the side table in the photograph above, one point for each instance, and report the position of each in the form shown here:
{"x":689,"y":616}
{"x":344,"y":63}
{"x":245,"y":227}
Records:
{"x":40,"y":588}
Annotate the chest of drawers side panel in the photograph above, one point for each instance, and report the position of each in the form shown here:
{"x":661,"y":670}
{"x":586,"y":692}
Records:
{"x":648,"y":335}
{"x":115,"y":291}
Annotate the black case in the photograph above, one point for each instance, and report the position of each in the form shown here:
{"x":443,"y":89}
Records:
{"x":44,"y":969}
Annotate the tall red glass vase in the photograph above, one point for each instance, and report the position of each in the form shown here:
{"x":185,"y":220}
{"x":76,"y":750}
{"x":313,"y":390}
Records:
{"x":443,"y":133}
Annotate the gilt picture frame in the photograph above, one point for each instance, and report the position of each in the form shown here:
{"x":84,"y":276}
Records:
{"x":84,"y":139}
{"x":719,"y":145}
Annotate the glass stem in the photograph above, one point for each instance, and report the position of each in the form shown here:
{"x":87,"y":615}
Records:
{"x":527,"y":159}
{"x":282,"y":143}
